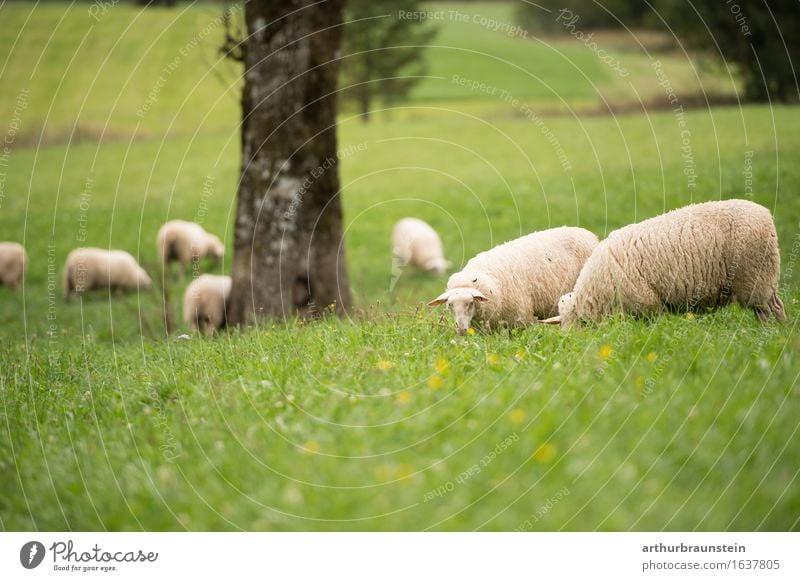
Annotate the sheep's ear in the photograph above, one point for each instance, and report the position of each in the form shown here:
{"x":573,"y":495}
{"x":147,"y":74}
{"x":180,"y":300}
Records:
{"x":479,"y":296}
{"x":551,"y":321}
{"x":442,"y":298}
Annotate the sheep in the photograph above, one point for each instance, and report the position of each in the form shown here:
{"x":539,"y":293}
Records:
{"x":416,"y":243}
{"x":89,"y":269}
{"x":205,"y":303}
{"x":520,"y":281}
{"x":699,"y":256}
{"x":13,"y":262}
{"x":185,"y":242}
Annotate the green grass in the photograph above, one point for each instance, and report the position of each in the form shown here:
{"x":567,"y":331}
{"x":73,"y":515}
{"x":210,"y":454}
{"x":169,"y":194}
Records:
{"x":368,"y":423}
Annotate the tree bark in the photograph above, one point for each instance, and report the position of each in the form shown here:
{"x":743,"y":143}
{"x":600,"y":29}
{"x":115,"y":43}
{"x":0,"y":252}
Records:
{"x":288,"y":253}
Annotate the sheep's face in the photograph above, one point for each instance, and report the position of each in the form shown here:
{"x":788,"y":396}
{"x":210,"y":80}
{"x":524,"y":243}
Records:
{"x":566,"y":312}
{"x":462,"y":301}
{"x":144,"y":280}
{"x":216,"y":249}
{"x":566,"y":309}
{"x":437,"y":266}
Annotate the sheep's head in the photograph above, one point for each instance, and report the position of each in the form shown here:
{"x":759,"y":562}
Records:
{"x":566,"y":312}
{"x":462,"y":301}
{"x":437,"y":266}
{"x":144,"y":280}
{"x":216,"y":249}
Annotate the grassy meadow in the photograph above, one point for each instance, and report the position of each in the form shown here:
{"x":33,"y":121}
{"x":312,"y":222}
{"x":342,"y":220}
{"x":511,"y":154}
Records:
{"x":383,"y":420}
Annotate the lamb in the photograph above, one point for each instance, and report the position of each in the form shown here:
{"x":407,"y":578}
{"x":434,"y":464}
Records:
{"x":187,"y":242}
{"x":13,"y":262}
{"x":520,"y":281}
{"x":205,"y":303}
{"x":89,"y":269}
{"x":699,"y":256}
{"x":416,"y":243}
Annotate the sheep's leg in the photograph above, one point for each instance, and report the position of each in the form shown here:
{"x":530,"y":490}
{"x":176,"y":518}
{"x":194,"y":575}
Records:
{"x":776,"y":305}
{"x":762,"y":313}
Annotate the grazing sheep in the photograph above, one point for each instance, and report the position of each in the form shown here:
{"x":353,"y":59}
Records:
{"x":517,"y":282}
{"x":89,"y":269}
{"x":416,"y":243}
{"x":186,"y":242}
{"x":13,"y":261}
{"x":699,"y":256}
{"x":205,"y":303}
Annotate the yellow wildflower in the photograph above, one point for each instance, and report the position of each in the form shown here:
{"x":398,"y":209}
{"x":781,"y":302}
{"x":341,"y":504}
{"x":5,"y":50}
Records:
{"x":311,"y":446}
{"x":435,"y":382}
{"x":403,"y":398}
{"x":651,"y":357}
{"x":384,"y":365}
{"x":517,"y":416}
{"x":605,"y":352}
{"x":544,"y":453}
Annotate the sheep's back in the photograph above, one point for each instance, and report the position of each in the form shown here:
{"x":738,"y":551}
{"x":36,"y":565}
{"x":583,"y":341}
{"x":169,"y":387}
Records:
{"x":694,"y":256}
{"x":417,"y":238}
{"x":537,"y":269}
{"x":11,"y":254}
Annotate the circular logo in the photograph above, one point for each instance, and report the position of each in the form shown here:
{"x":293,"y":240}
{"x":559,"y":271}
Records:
{"x":31,"y":554}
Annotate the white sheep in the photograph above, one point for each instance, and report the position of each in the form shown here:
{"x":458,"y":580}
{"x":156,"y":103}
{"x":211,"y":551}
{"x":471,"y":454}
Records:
{"x":89,"y":269}
{"x":13,"y":262}
{"x":184,"y":242}
{"x":415,"y":243}
{"x":205,"y":303}
{"x":696,"y":257}
{"x":520,"y":281}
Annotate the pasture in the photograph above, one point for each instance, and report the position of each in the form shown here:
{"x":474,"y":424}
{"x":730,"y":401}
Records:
{"x":383,"y":420}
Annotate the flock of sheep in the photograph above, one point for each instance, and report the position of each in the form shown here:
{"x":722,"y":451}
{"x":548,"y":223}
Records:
{"x":700,"y":256}
{"x":87,"y":269}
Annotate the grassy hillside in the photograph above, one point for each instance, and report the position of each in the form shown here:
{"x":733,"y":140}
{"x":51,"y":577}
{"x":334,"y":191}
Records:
{"x":149,"y":73}
{"x":383,"y":420}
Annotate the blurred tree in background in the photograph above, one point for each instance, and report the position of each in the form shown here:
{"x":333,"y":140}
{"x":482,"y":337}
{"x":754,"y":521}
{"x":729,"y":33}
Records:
{"x":760,"y":38}
{"x":551,"y":15}
{"x":383,"y":51}
{"x":155,"y":2}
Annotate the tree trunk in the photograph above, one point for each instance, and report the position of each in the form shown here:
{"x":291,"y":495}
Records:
{"x":288,"y":252}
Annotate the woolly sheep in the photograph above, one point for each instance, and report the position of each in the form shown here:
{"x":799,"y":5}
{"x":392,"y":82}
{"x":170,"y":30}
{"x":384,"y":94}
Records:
{"x":89,"y":269}
{"x":205,"y":303}
{"x":517,"y":282}
{"x":185,"y":242}
{"x":702,"y":255}
{"x":416,"y":243}
{"x":13,"y":261}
